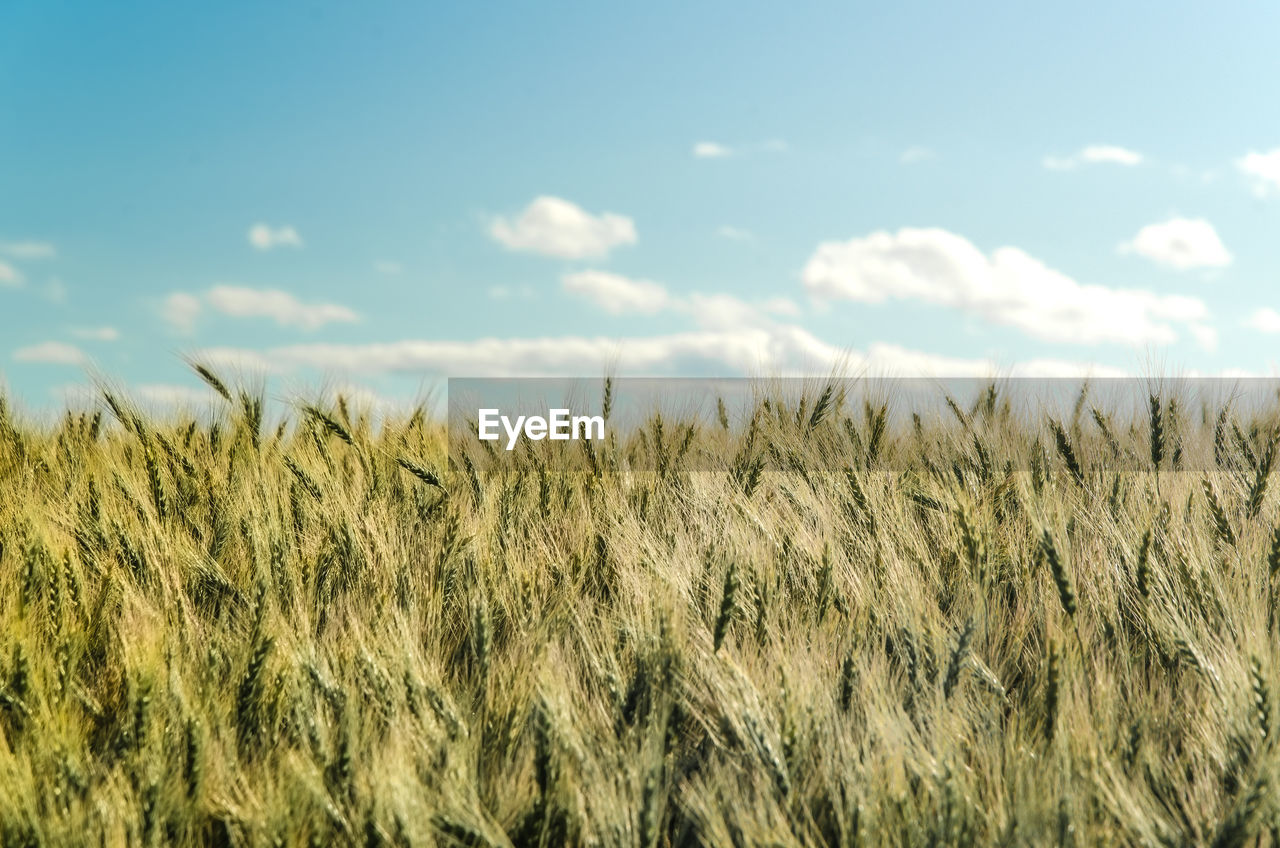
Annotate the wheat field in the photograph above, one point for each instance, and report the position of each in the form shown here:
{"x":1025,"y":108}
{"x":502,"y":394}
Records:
{"x":979,"y":629}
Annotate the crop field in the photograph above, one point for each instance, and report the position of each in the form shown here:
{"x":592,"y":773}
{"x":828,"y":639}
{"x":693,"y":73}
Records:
{"x":981,"y":628}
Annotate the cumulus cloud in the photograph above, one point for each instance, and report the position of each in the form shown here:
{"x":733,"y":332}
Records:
{"x":552,"y":226}
{"x":28,"y":250}
{"x":266,"y":237}
{"x":621,"y":295}
{"x":1181,"y":244}
{"x":1007,"y":287}
{"x":180,"y":311}
{"x":616,"y":294}
{"x":743,"y":350}
{"x":1263,"y":169}
{"x":1206,"y":336}
{"x":51,"y":353}
{"x":281,"y":307}
{"x":890,"y":360}
{"x":725,"y":311}
{"x":1094,"y":154}
{"x":96,"y":334}
{"x":1265,"y":320}
{"x":781,"y":306}
{"x":729,"y":336}
{"x":779,"y":350}
{"x":9,"y":275}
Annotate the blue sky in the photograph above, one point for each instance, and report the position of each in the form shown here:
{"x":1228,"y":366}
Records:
{"x":385,"y":194}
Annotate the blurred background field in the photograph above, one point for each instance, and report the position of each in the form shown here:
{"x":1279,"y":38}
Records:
{"x":864,"y":630}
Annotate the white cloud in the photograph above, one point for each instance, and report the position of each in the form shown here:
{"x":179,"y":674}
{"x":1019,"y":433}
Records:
{"x":1007,"y":287}
{"x":719,"y":311}
{"x":1263,"y":169}
{"x":621,"y":295}
{"x":553,"y":226}
{"x":1110,"y":154}
{"x":781,"y":306}
{"x":1094,"y":154}
{"x":387,"y":267}
{"x":890,"y":360}
{"x":1205,"y":335}
{"x":778,"y":351}
{"x":916,"y":154}
{"x":282,"y":307}
{"x":265,"y":237}
{"x":733,"y":233}
{"x":96,"y":334}
{"x":730,"y":336}
{"x":711,"y":150}
{"x":1180,"y":243}
{"x":616,"y":294}
{"x":744,"y":350}
{"x":9,"y":275}
{"x":28,"y":249}
{"x":180,"y":311}
{"x":51,"y":353}
{"x":1265,"y":320}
